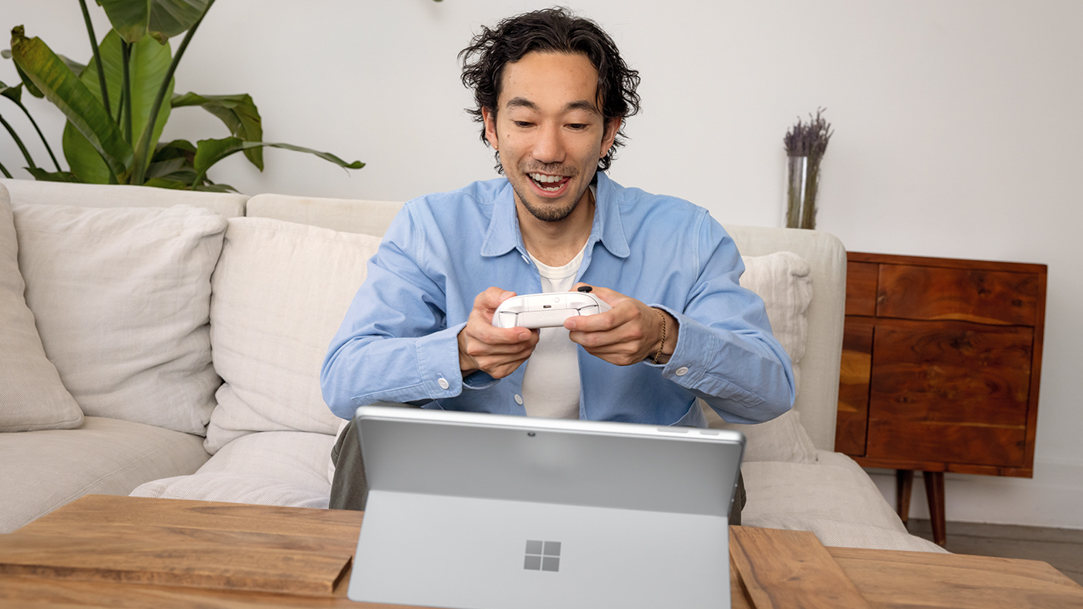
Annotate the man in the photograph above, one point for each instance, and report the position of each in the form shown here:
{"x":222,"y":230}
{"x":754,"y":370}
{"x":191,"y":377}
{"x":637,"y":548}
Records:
{"x":552,"y":93}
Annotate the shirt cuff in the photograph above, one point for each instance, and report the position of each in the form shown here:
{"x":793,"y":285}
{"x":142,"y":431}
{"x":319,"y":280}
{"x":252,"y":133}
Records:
{"x":438,"y":363}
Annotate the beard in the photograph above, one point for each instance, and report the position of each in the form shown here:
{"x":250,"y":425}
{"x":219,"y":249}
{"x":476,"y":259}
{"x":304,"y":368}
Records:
{"x":547,"y":213}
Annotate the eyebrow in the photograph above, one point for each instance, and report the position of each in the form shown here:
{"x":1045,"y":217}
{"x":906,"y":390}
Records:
{"x":522,"y":102}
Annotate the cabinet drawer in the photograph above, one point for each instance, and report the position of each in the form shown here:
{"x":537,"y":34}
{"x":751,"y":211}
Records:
{"x":935,"y":293}
{"x":951,"y":372}
{"x":861,"y":288}
{"x":947,"y":443}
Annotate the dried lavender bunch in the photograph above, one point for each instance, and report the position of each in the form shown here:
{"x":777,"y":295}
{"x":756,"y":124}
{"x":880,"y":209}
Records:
{"x":810,"y":142}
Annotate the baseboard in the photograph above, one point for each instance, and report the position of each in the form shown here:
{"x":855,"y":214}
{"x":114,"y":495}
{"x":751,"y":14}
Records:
{"x":1052,"y":498}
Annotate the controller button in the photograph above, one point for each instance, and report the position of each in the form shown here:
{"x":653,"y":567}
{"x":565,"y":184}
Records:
{"x":586,"y":289}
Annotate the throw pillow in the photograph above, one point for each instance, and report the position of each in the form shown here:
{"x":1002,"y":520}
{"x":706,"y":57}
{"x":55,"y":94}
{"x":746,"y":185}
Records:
{"x":122,"y":301}
{"x":281,"y":291}
{"x":32,"y":396}
{"x":783,"y":281}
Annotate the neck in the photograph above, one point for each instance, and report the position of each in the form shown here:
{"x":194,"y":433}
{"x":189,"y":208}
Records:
{"x":556,"y":243}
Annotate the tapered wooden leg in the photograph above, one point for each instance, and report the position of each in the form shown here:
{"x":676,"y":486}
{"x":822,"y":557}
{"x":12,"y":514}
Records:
{"x":934,"y":488}
{"x":904,"y":481}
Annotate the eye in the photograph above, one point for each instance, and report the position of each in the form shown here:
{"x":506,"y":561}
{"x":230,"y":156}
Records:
{"x":577,"y":126}
{"x":522,"y":124}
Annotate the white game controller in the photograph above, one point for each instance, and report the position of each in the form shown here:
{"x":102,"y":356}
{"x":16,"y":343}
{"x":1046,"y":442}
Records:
{"x":546,"y":310}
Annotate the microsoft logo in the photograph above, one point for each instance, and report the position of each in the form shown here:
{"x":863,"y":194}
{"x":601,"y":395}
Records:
{"x":542,"y":555}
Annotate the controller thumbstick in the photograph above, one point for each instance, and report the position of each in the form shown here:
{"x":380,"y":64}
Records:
{"x":585,"y":289}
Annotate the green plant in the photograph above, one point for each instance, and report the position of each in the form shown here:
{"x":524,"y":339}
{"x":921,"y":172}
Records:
{"x":118,"y":104}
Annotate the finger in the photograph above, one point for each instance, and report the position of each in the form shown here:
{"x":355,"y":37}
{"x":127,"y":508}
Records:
{"x":599,"y":322}
{"x":606,"y":338}
{"x":491,"y":298}
{"x":611,"y":297}
{"x":499,"y":366}
{"x":491,"y":335}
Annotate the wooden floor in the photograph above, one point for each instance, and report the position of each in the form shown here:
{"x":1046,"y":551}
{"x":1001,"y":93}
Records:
{"x":1062,"y":548}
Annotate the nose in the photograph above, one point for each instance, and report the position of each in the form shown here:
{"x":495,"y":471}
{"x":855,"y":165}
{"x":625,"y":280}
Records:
{"x":549,"y":147}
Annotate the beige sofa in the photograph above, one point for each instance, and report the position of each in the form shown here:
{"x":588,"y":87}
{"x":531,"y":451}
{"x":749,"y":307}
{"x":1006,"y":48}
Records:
{"x":168,"y":344}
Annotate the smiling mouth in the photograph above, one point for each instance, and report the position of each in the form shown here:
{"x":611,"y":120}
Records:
{"x":548,"y":183}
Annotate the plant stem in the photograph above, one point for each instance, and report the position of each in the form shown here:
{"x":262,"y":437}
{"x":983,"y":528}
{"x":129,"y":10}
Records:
{"x":97,"y":57}
{"x":42,"y":136}
{"x":126,"y":54}
{"x":5,"y":170}
{"x":18,"y":141}
{"x":141,"y":153}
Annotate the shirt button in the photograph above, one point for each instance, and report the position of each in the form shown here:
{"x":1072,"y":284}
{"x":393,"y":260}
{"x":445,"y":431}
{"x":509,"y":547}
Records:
{"x":683,"y":370}
{"x":443,"y":383}
{"x":518,"y":399}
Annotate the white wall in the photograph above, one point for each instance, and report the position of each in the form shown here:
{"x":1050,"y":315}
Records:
{"x":958,"y":133}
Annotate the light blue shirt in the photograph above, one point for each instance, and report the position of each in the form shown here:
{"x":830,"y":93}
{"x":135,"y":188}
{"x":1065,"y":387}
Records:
{"x":399,"y":343}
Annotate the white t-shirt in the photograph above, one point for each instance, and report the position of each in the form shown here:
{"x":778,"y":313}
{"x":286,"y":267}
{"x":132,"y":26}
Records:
{"x":551,"y":381}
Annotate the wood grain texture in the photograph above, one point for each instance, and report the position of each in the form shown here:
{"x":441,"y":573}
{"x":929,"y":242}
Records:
{"x":898,"y":580}
{"x":893,"y":441}
{"x":950,"y":263}
{"x":975,"y":295}
{"x":185,"y":543}
{"x":790,"y":569}
{"x":951,"y":372}
{"x":940,"y":466}
{"x":861,"y":288}
{"x":885,"y":579}
{"x":41,"y":593}
{"x":855,"y":374}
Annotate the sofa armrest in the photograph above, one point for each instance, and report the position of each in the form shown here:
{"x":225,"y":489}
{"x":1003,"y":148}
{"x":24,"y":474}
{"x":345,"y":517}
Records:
{"x":817,"y":398}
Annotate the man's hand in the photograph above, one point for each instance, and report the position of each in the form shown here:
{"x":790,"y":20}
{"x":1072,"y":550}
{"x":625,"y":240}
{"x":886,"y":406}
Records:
{"x":495,"y":351}
{"x":627,"y":334}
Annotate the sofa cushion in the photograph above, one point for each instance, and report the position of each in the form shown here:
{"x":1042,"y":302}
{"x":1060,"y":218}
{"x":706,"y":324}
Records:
{"x":280,"y":292}
{"x":783,"y":281}
{"x":122,"y":300}
{"x":31,"y":394}
{"x":833,"y":498}
{"x":43,"y":470}
{"x":270,"y":468}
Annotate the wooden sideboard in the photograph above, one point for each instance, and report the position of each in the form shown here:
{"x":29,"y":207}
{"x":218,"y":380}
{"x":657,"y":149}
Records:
{"x":940,"y":369}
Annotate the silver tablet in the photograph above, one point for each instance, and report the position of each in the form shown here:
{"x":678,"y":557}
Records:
{"x":470,"y":510}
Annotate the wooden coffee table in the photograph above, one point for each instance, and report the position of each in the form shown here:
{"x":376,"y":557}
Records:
{"x":105,"y":551}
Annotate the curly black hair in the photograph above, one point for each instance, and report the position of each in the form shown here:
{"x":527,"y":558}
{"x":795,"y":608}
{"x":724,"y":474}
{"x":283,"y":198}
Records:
{"x":552,"y":30}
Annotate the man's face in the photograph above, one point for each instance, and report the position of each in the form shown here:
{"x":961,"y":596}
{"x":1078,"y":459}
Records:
{"x":549,"y":131}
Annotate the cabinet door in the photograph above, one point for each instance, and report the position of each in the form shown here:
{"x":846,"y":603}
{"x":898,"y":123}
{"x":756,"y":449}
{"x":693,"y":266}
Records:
{"x":952,"y":392}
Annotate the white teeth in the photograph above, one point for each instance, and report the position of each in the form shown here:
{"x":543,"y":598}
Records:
{"x":544,"y":179}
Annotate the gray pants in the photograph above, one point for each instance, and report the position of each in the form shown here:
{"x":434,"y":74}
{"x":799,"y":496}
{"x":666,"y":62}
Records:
{"x":350,"y":487}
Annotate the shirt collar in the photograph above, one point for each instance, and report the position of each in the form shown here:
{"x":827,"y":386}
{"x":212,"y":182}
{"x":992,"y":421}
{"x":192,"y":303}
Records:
{"x":504,"y":235}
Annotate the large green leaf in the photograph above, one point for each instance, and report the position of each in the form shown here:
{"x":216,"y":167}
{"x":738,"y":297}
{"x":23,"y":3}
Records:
{"x":238,"y":112}
{"x":162,"y":19}
{"x":56,"y":176}
{"x":78,"y":103}
{"x":148,"y":65}
{"x":30,"y":88}
{"x":209,"y":152}
{"x":76,"y":67}
{"x":15,"y":93}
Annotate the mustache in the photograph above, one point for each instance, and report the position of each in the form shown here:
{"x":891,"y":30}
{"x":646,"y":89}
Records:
{"x":558,"y":169}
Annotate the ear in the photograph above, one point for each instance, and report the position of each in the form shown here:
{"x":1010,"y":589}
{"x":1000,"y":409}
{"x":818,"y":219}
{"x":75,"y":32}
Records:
{"x":610,"y":135}
{"x":489,"y":117}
